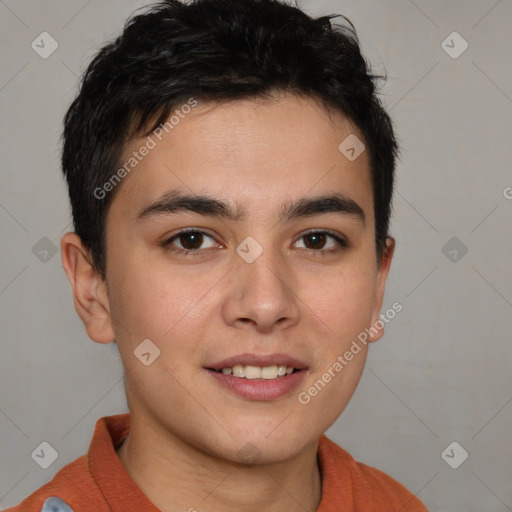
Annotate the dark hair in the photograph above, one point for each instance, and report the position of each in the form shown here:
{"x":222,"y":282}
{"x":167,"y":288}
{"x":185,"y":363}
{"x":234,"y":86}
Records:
{"x":214,"y":50}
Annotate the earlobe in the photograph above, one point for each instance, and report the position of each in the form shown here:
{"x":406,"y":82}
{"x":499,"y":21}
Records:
{"x":377,"y":327}
{"x":89,"y":289}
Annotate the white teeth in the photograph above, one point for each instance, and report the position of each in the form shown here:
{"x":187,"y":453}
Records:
{"x":269,"y":372}
{"x":258,"y":372}
{"x":252,"y":372}
{"x":238,"y":370}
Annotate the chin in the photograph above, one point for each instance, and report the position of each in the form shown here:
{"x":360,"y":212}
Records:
{"x":266,"y":446}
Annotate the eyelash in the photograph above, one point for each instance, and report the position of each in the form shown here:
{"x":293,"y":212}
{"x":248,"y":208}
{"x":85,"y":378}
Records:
{"x":198,"y":252}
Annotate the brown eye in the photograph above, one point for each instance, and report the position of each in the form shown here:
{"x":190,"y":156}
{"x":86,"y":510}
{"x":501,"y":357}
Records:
{"x":191,"y":239}
{"x":190,"y":242}
{"x":316,"y":241}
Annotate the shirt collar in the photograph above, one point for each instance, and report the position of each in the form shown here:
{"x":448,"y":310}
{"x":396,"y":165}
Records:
{"x":119,"y":490}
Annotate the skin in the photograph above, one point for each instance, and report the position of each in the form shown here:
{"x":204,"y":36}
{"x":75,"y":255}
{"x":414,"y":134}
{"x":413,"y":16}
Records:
{"x":182,"y":449}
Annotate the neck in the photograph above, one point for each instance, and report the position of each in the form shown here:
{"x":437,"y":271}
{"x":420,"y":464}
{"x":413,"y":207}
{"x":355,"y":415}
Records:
{"x":177,"y":476}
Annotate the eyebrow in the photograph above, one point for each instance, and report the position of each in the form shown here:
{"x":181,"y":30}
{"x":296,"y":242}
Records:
{"x":176,"y":201}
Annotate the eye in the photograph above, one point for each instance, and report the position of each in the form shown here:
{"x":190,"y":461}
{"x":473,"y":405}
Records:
{"x":316,"y":241}
{"x":190,"y":241}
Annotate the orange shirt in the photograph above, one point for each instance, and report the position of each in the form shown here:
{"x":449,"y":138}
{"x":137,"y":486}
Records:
{"x":98,"y":482}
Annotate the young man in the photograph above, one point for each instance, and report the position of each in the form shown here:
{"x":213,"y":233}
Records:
{"x":230,"y":171}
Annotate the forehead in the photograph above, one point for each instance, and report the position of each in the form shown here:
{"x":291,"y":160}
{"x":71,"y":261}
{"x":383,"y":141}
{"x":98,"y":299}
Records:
{"x":253,"y":152}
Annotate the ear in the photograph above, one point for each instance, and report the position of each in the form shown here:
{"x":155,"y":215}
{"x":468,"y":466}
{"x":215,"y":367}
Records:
{"x":384,"y":265}
{"x":89,"y":289}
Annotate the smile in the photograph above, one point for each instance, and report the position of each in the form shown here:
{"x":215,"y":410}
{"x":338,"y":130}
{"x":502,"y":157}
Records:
{"x":257,"y":372}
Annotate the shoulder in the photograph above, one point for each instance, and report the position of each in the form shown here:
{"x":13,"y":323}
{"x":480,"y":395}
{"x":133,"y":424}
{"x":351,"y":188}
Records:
{"x":371,"y":489}
{"x":72,"y":489}
{"x":76,"y":487}
{"x":383,"y":487}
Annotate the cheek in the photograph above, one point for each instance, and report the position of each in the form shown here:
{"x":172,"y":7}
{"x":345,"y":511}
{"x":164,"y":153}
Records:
{"x":343,"y":303}
{"x":162,"y":305}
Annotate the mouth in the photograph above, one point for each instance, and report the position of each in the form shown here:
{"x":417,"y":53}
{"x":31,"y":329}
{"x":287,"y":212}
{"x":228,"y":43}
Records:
{"x":259,"y":377}
{"x":252,"y":372}
{"x":258,"y":366}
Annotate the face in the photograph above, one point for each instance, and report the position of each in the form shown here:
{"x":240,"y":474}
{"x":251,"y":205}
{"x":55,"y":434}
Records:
{"x":284,"y":273}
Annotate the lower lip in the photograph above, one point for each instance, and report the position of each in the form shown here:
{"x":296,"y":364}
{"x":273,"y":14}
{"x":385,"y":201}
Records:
{"x":262,"y":390}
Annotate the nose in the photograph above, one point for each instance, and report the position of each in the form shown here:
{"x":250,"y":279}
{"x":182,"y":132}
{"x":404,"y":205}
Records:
{"x":262,"y":294}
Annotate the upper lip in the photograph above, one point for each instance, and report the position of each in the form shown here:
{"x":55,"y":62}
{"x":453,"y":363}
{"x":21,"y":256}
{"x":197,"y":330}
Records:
{"x":258,"y":360}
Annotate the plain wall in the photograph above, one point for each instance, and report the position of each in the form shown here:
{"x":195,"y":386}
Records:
{"x":442,"y":372}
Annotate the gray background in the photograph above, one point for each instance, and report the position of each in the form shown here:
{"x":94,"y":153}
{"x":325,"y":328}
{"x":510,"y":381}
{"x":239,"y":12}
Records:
{"x":442,"y":371}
